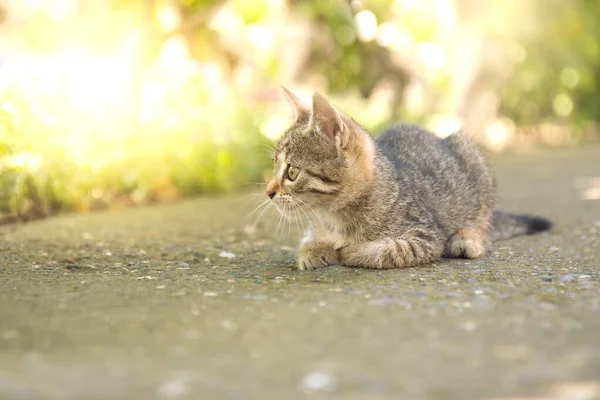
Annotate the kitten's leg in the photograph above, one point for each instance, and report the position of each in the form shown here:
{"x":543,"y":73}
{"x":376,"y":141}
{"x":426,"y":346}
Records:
{"x":392,"y":253}
{"x":314,"y":255}
{"x":471,"y":241}
{"x":466,"y":243}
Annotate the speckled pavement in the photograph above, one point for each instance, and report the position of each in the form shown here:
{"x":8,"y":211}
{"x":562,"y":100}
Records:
{"x":183,"y":301}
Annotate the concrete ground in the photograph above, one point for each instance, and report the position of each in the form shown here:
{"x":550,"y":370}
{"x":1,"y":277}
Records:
{"x":179,"y":301}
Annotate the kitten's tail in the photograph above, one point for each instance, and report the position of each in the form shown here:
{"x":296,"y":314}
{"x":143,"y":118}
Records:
{"x":506,"y":225}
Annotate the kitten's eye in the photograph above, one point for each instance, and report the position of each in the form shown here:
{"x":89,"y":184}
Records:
{"x":292,"y":173}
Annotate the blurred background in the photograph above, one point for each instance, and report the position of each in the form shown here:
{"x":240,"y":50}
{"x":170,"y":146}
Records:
{"x":105,"y":103}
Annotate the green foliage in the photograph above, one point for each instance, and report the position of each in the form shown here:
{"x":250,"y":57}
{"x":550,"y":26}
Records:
{"x":163,"y":111}
{"x":562,"y":57}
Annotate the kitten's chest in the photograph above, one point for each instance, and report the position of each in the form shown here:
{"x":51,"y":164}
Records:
{"x":335,"y":231}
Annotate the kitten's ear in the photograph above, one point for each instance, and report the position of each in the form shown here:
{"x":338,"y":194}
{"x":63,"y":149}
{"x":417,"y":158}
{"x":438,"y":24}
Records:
{"x":301,"y":110}
{"x":327,"y":120}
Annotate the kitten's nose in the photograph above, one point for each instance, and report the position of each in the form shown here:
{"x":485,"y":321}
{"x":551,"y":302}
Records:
{"x":271,"y":189}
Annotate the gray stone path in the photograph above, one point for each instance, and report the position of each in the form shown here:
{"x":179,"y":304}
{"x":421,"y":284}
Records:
{"x":149,"y":303}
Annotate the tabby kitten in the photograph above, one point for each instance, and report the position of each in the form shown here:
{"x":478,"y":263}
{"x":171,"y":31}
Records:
{"x":405,"y":199}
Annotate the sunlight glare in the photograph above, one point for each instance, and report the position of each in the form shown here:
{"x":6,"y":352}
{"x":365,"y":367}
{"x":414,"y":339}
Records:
{"x":366,"y":25}
{"x":446,"y":125}
{"x":168,"y":18}
{"x":498,"y":133}
{"x":175,"y":56}
{"x":431,"y":55}
{"x":275,"y":126}
{"x":93,"y":81}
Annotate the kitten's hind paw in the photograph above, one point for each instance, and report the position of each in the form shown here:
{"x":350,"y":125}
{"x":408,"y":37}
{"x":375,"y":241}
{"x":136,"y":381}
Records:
{"x":316,"y":255}
{"x":465,"y":244}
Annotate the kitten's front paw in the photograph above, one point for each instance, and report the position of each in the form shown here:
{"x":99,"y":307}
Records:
{"x":316,"y":255}
{"x":354,"y":255}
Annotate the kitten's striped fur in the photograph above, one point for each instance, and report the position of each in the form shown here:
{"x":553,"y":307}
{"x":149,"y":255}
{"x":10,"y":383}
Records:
{"x":406,"y":199}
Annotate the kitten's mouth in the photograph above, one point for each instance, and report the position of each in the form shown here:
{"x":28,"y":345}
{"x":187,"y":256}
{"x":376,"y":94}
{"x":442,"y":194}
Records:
{"x":282,"y":199}
{"x":295,"y":211}
{"x":288,"y":208}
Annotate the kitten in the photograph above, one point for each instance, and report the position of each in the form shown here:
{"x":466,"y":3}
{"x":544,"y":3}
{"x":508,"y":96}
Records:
{"x":405,"y":199}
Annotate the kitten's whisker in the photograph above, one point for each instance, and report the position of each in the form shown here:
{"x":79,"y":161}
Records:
{"x":253,"y":195}
{"x":312,"y":227}
{"x":263,"y":211}
{"x":261,"y":205}
{"x":269,"y":150}
{"x":284,"y":217}
{"x":289,"y":221}
{"x":268,"y":147}
{"x":250,"y":197}
{"x":279,"y":223}
{"x":314,"y":213}
{"x":298,"y":218}
{"x":256,"y":183}
{"x":303,"y":231}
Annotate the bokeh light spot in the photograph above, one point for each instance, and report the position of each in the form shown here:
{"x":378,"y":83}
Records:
{"x":562,"y":105}
{"x":366,"y":25}
{"x":569,"y":78}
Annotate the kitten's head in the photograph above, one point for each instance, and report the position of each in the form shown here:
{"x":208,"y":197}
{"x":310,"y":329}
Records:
{"x":323,"y":159}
